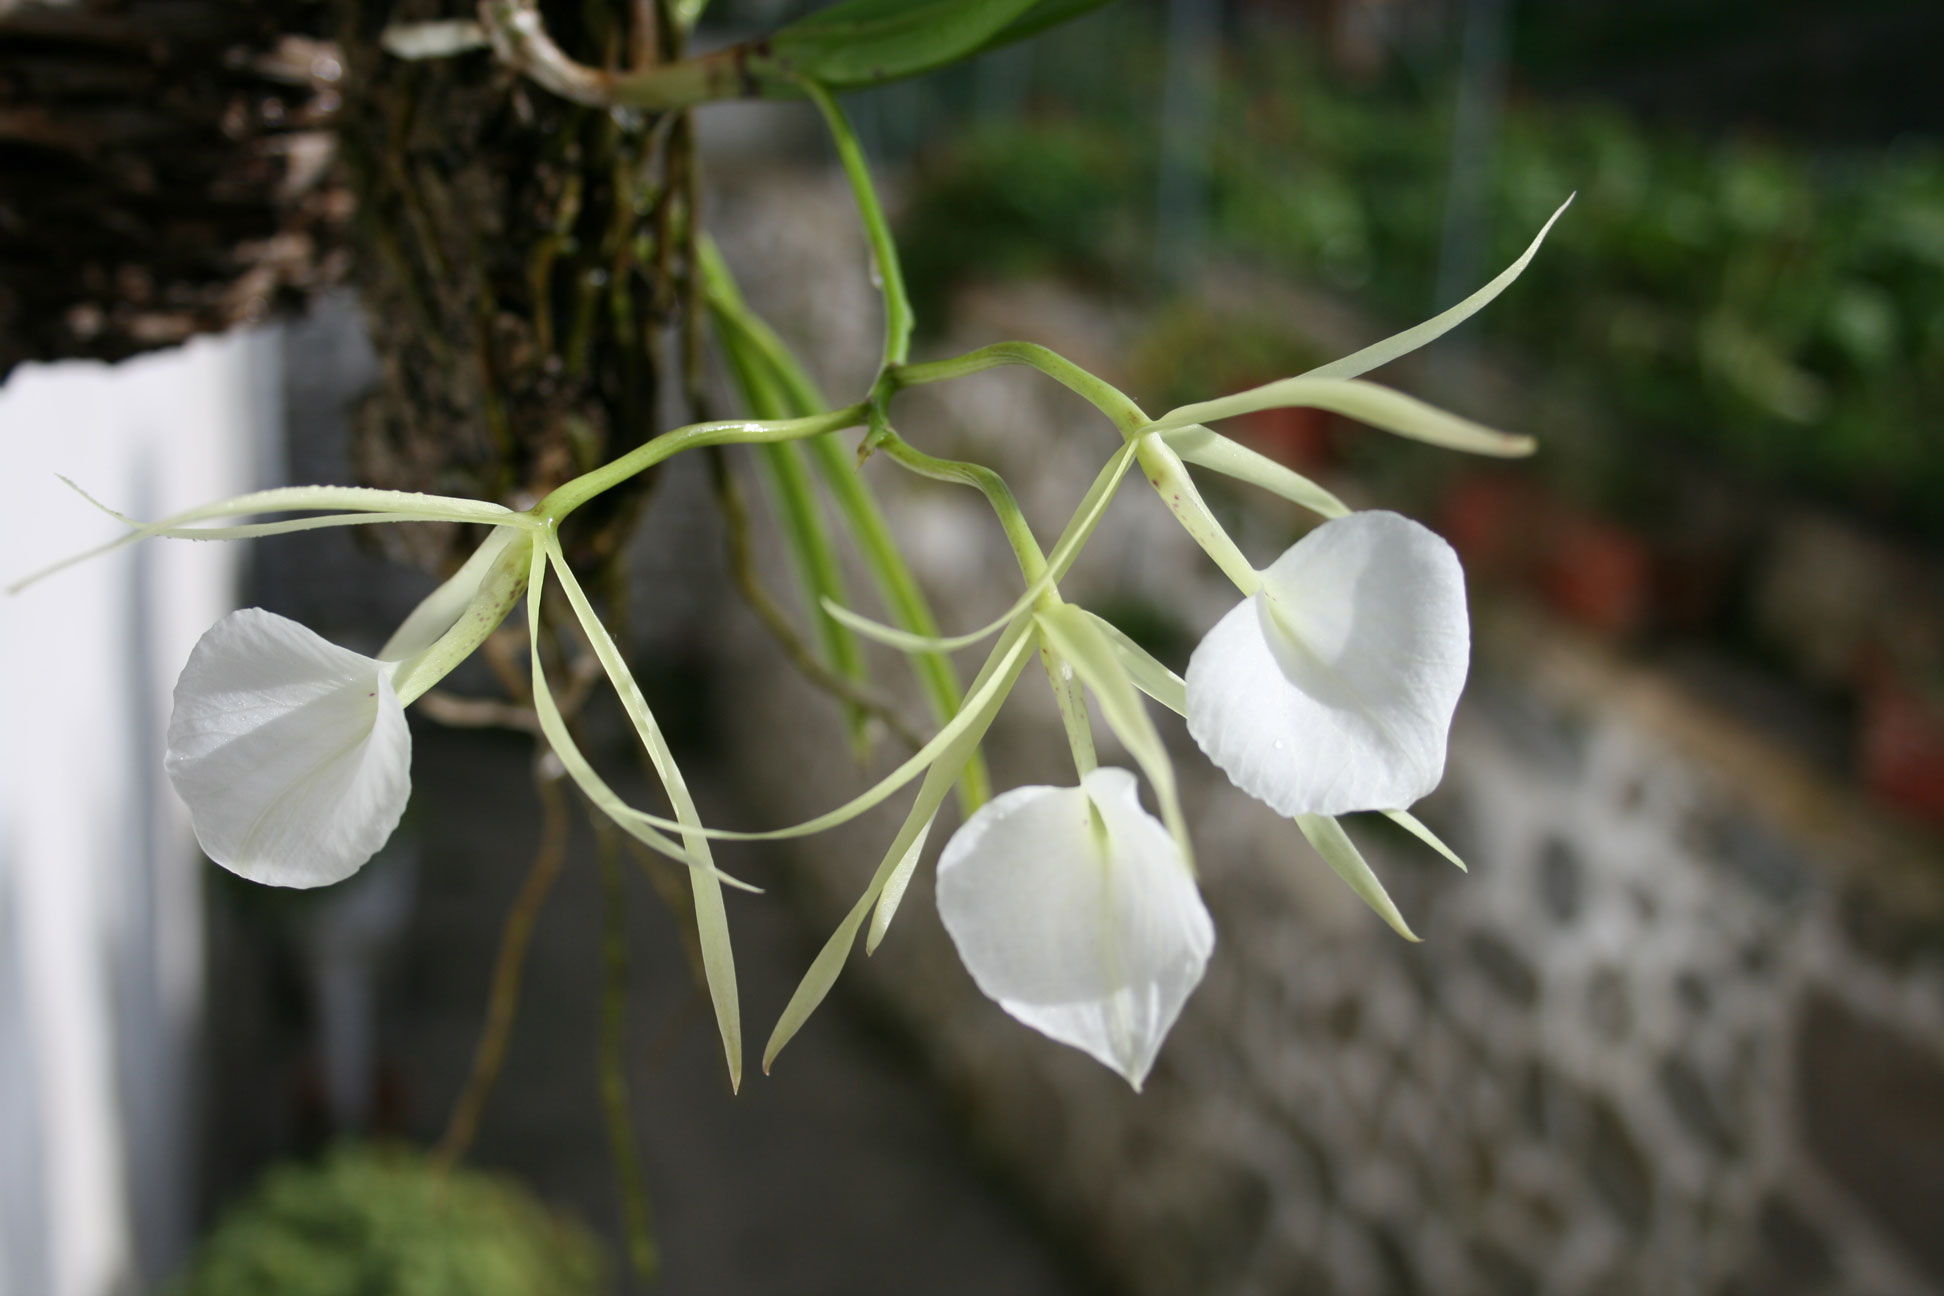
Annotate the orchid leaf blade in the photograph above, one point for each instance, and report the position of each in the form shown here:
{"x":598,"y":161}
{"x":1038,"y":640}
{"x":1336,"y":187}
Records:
{"x":868,"y":42}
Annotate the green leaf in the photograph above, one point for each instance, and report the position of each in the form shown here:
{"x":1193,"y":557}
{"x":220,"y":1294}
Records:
{"x":1342,"y":855}
{"x":868,"y":42}
{"x":1048,"y":13}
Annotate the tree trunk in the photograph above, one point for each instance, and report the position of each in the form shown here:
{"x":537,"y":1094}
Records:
{"x":178,"y":166}
{"x":164,"y":170}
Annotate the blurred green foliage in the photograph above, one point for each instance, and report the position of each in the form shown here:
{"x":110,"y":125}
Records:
{"x":1778,"y":310}
{"x":381,"y":1221}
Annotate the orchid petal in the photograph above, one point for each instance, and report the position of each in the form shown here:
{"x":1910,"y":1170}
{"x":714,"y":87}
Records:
{"x":437,"y":612}
{"x":1410,"y":823}
{"x":711,"y":917}
{"x":1332,"y":689}
{"x":1391,"y":411}
{"x":1142,"y":667}
{"x":1073,"y":910}
{"x":292,"y":753}
{"x":1347,"y":862}
{"x":1206,"y":448}
{"x":981,"y":705}
{"x":1382,"y":353}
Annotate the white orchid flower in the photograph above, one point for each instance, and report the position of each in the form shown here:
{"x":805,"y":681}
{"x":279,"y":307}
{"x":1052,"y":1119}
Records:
{"x":292,"y":753}
{"x":1073,"y":910}
{"x":1331,"y":688}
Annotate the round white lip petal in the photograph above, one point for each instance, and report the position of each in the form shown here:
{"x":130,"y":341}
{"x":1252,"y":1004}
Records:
{"x":1097,"y":949}
{"x":292,"y":753}
{"x":1332,"y":689}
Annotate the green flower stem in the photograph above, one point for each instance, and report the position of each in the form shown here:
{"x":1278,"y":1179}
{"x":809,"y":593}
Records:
{"x":1169,"y":477}
{"x":1032,"y":560}
{"x":884,"y":250}
{"x":1163,"y":467}
{"x":1032,"y":565}
{"x":577,"y":492}
{"x":1102,"y":395}
{"x":899,"y":590}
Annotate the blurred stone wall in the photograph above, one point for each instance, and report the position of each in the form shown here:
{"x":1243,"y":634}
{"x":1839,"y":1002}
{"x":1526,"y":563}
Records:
{"x":1681,"y":1029}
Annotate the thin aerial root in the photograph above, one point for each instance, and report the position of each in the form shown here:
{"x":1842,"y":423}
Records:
{"x":509,"y":965}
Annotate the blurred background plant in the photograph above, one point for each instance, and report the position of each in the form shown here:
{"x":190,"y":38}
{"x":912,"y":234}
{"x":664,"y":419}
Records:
{"x":384,"y":1221}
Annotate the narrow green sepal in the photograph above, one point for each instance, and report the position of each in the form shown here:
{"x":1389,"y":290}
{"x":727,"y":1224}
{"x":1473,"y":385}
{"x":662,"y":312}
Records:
{"x":1343,"y":857}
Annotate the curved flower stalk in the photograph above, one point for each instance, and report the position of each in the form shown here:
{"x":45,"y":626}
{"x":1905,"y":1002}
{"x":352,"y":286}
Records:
{"x":1074,"y":911}
{"x":291,"y":753}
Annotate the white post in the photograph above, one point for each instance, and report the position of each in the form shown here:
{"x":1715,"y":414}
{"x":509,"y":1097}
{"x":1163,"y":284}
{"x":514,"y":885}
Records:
{"x":100,"y":904}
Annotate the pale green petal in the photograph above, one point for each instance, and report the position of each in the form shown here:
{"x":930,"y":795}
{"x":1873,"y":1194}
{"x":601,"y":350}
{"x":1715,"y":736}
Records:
{"x":438,"y":610}
{"x":1206,"y":448}
{"x":1143,"y":668}
{"x":711,"y":918}
{"x":1075,"y":637}
{"x":1410,"y":823}
{"x":1009,"y":655}
{"x":1000,"y":669}
{"x":1382,"y":353}
{"x":894,"y":889}
{"x":373,"y":505}
{"x":1343,"y":857}
{"x":1367,"y":402}
{"x":553,"y":727}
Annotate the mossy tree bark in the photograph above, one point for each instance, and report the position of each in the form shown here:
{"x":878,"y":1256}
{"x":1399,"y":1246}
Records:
{"x":180,"y":166}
